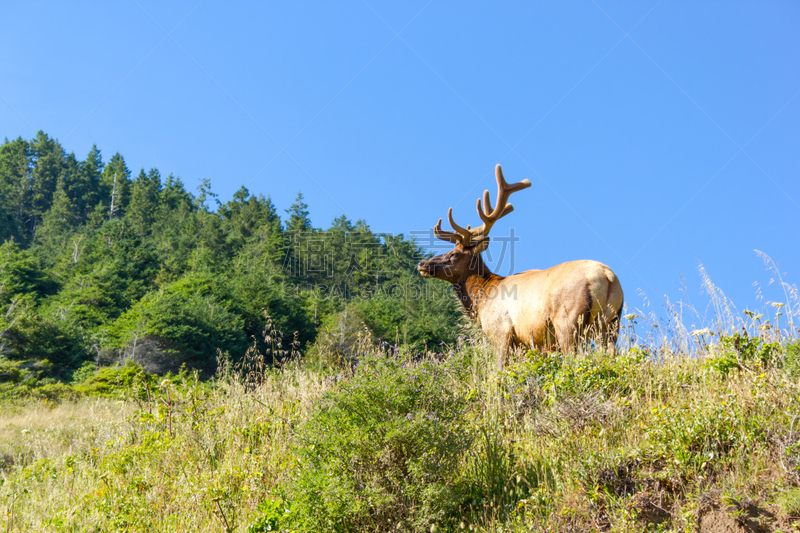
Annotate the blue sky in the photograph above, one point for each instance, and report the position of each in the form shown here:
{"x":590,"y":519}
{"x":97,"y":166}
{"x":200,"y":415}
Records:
{"x":657,"y":135}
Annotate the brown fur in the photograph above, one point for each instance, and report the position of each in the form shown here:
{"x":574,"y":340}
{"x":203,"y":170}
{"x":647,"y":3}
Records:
{"x":556,"y":308}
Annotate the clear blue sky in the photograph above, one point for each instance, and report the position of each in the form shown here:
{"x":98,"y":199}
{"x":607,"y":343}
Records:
{"x":657,"y":135}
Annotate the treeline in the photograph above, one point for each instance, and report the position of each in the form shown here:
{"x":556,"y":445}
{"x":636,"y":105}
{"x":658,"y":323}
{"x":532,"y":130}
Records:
{"x":99,"y":266}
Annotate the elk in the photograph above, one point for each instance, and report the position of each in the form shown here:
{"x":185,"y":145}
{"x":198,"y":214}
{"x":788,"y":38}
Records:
{"x":556,"y":308}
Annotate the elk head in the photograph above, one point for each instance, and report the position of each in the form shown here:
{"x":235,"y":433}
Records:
{"x":456,"y":264}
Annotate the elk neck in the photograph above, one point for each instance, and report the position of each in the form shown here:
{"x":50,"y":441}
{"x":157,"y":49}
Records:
{"x":474,"y":285}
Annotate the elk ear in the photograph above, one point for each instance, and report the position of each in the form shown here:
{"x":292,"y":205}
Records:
{"x":482,"y":245}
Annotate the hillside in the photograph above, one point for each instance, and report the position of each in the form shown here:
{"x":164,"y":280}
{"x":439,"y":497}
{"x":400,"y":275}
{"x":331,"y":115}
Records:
{"x":169,"y":362}
{"x":643,"y":441}
{"x":98,"y":267}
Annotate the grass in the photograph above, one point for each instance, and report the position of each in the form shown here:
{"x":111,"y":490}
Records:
{"x":552,"y":443}
{"x":692,"y":434}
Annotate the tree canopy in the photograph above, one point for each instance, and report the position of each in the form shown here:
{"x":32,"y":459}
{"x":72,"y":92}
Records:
{"x":99,"y":265}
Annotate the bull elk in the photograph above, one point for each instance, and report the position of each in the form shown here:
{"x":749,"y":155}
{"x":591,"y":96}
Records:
{"x":559,"y":307}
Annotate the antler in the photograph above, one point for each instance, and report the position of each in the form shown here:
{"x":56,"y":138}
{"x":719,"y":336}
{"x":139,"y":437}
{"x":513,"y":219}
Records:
{"x":469,"y":236}
{"x":460,"y":235}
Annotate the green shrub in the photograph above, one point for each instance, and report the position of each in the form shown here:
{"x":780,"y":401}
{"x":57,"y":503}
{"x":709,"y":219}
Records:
{"x":27,"y":334}
{"x":791,"y":358}
{"x":417,"y":313}
{"x":741,"y":350}
{"x":273,"y":512}
{"x":381,"y":451}
{"x":10,"y":371}
{"x":115,"y":381}
{"x":20,"y":380}
{"x":558,"y":375}
{"x":183,"y":323}
{"x":705,"y":432}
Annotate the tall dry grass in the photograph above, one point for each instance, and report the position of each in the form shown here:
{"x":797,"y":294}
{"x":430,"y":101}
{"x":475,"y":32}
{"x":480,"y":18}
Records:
{"x":697,"y":419}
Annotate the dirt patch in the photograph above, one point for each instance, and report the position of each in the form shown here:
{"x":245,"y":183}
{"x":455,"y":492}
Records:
{"x":651,"y":509}
{"x":746,"y":519}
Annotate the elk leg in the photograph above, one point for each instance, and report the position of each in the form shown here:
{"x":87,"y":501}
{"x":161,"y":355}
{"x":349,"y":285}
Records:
{"x":610,"y":332}
{"x":572,"y":328}
{"x":566,"y":339}
{"x":502,"y":346}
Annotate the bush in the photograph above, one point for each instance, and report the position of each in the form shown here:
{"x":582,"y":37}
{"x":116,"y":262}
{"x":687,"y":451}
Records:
{"x":413,"y":312}
{"x":26,"y":334}
{"x":741,"y":350}
{"x":113,"y":381}
{"x":705,"y":432}
{"x":381,"y":451}
{"x":557,"y":375}
{"x":792,"y":358}
{"x":183,"y":323}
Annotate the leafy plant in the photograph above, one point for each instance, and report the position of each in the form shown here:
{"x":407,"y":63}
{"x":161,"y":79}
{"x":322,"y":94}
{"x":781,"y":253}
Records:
{"x":496,"y":480}
{"x":743,"y":351}
{"x":183,"y":323}
{"x":381,"y":451}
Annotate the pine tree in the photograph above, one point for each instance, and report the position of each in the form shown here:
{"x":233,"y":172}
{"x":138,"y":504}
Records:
{"x":48,"y":157}
{"x":15,"y":162}
{"x":115,"y":185}
{"x":296,"y":258}
{"x":85,"y":188}
{"x":298,"y":216}
{"x":144,"y":200}
{"x":57,"y":223}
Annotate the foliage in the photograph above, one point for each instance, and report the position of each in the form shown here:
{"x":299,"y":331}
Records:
{"x":743,"y":351}
{"x":701,"y":432}
{"x":95,"y":262}
{"x":557,"y":375}
{"x":113,"y":382}
{"x":585,"y":442}
{"x":21,"y":275}
{"x":182,"y":323}
{"x":379,"y":451}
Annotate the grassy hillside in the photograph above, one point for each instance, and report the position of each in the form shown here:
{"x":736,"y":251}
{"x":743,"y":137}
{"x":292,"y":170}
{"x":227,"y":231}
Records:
{"x":146,"y":384}
{"x":648,"y":440}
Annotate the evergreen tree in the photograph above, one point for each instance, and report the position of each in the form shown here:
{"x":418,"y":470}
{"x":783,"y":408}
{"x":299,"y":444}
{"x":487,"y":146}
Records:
{"x":84,"y":190}
{"x":270,"y":234}
{"x":337,"y":249}
{"x":298,"y":216}
{"x":247,"y":218}
{"x":205,"y":192}
{"x":48,"y":158}
{"x":15,"y":162}
{"x":174,"y":195}
{"x":298,"y":257}
{"x":115,"y":185}
{"x":144,"y":200}
{"x":57,"y":223}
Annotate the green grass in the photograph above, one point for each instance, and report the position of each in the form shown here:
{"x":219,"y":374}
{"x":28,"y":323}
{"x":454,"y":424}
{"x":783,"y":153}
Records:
{"x":556,"y":442}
